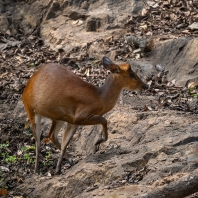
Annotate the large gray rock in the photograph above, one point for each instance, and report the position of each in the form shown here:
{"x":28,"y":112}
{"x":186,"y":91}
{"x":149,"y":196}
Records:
{"x":69,"y":24}
{"x":77,"y":26}
{"x":143,"y":149}
{"x":143,"y":68}
{"x":180,"y":58}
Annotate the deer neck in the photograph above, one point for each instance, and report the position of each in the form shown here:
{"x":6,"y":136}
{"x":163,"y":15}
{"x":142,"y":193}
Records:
{"x":110,"y":91}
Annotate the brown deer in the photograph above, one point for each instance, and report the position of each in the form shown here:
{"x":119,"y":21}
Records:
{"x":57,"y":93}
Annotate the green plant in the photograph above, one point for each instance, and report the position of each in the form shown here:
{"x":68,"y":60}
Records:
{"x":27,"y":148}
{"x":193,"y":92}
{"x":191,"y":89}
{"x":48,"y":155}
{"x":28,"y":157}
{"x":3,"y":154}
{"x":11,"y":159}
{"x":6,"y":87}
{"x":194,"y":95}
{"x":1,"y":180}
{"x":45,"y":163}
{"x":27,"y":132}
{"x":4,"y":146}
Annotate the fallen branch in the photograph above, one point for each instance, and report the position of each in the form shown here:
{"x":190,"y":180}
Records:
{"x":183,"y":187}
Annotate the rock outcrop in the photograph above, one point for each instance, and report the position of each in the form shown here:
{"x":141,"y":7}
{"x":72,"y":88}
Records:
{"x":179,"y":57}
{"x":146,"y":149}
{"x":67,"y":24}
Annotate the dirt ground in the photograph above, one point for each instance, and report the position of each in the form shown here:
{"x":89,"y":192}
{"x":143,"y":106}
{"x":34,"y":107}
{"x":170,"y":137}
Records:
{"x":146,"y":149}
{"x":153,"y":139}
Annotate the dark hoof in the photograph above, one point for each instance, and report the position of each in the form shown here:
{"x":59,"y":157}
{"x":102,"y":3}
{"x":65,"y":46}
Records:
{"x":57,"y":172}
{"x":36,"y":172}
{"x":71,"y":162}
{"x":99,"y":141}
{"x":97,"y":147}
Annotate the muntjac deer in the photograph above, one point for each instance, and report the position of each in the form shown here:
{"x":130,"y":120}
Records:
{"x":57,"y":93}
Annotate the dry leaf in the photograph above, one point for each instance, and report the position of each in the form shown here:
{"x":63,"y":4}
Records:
{"x":19,"y":179}
{"x":27,"y":125}
{"x":192,"y":85}
{"x":108,"y":39}
{"x":147,"y":108}
{"x":144,"y":27}
{"x":144,"y":12}
{"x":46,"y":140}
{"x":3,"y":192}
{"x":173,"y":81}
{"x":19,"y":152}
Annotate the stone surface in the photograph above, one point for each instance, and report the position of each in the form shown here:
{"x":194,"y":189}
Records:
{"x":193,"y":26}
{"x":179,"y":57}
{"x":153,"y":145}
{"x":77,"y":27}
{"x":145,"y":149}
{"x":143,"y":68}
{"x":68,"y":24}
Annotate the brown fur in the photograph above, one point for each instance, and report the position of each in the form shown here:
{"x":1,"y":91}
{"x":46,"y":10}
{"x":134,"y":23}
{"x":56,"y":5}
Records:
{"x":57,"y":93}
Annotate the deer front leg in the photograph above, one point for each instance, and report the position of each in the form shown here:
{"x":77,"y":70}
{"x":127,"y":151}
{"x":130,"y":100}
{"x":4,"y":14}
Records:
{"x":93,"y":120}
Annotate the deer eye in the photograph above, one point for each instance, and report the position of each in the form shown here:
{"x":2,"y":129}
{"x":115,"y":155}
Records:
{"x":132,"y":75}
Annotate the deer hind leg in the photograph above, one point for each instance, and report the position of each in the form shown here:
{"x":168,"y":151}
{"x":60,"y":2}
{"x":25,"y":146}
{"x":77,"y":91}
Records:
{"x":70,"y":130}
{"x":53,"y":136}
{"x":37,"y":135}
{"x":53,"y":133}
{"x":35,"y":120}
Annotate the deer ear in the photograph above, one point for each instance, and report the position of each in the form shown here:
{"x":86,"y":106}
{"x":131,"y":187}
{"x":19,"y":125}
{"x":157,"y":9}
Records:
{"x":108,"y":64}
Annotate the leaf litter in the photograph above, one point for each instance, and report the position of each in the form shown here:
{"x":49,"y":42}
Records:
{"x":22,"y":55}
